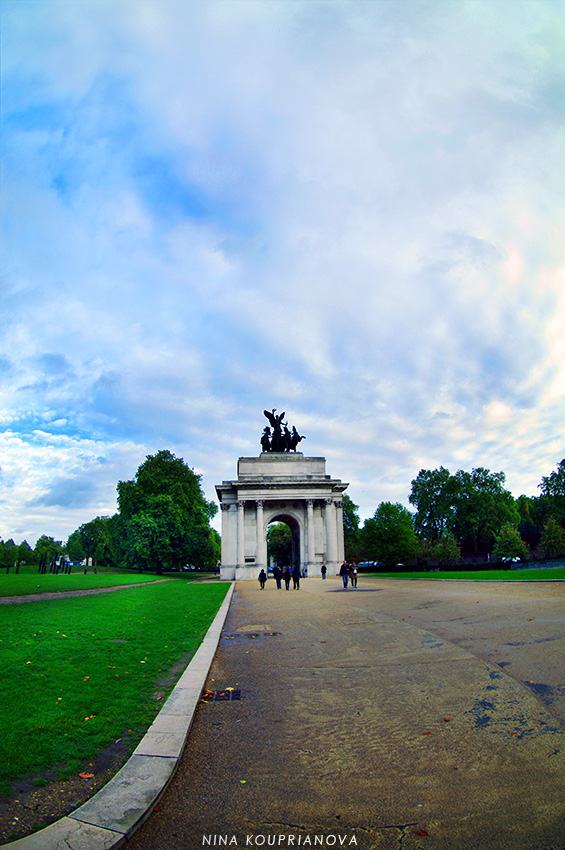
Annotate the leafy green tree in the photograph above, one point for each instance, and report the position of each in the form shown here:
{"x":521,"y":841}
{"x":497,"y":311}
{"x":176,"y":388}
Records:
{"x":433,"y":495}
{"x":389,"y":536}
{"x":482,"y":507}
{"x":553,"y":488}
{"x":509,"y":544}
{"x":24,"y":554}
{"x":48,"y":547}
{"x":534,"y":513}
{"x":279,"y":543}
{"x":75,"y":548}
{"x":164,"y":518}
{"x":552,"y":543}
{"x":8,"y":553}
{"x":92,"y":536}
{"x":425,"y":551}
{"x":446,"y":551}
{"x":216,"y":542}
{"x":350,"y":528}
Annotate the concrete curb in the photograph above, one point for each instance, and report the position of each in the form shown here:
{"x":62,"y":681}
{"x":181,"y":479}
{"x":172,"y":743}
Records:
{"x":111,"y":816}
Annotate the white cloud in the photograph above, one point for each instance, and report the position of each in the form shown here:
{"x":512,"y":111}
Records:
{"x":349,"y":211}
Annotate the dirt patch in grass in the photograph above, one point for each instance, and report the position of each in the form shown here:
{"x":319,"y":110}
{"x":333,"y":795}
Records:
{"x":41,"y":799}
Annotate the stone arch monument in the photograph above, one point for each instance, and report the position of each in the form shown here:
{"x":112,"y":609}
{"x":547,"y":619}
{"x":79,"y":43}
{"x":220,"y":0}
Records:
{"x":281,"y":486}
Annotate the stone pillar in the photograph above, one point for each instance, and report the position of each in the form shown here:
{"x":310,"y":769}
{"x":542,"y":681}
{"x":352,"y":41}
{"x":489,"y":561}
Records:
{"x":240,"y":533}
{"x":331,"y":533}
{"x":261,"y":558}
{"x":339,"y":527}
{"x":310,"y":530}
{"x":225,"y":533}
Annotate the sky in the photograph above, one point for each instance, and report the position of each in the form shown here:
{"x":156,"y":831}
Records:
{"x":349,"y":211}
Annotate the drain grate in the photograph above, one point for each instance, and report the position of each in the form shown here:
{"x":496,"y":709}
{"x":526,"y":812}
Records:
{"x":221,"y":696}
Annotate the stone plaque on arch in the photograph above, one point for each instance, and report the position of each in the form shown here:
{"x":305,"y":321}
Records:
{"x":285,"y":487}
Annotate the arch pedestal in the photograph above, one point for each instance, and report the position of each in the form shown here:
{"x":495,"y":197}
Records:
{"x":289,"y":488}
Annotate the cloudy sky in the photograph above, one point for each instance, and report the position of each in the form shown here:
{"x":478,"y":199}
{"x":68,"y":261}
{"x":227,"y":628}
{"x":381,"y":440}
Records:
{"x":350,"y":211}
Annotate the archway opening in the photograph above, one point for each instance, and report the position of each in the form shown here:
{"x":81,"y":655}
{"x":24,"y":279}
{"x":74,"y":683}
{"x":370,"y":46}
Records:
{"x":283,"y":541}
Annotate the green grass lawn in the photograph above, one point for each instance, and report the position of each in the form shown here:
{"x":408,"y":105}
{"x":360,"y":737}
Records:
{"x":79,"y":673}
{"x":25,"y":583}
{"x":549,"y":574}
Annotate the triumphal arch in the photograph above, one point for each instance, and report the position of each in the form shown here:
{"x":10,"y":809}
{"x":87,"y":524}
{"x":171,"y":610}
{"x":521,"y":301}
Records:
{"x":281,"y":485}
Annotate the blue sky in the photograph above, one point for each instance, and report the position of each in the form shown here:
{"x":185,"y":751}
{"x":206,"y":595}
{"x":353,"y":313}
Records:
{"x":350,"y":211}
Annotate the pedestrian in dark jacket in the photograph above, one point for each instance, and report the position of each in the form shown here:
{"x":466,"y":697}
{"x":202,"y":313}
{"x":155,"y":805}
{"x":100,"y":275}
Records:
{"x":262,"y":578}
{"x":286,"y":577}
{"x":344,"y":573}
{"x":277,"y":575}
{"x":296,"y":578}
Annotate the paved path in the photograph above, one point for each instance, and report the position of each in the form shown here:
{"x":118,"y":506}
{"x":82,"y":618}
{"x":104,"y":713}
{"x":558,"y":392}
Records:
{"x":65,"y":594}
{"x":399,"y":715}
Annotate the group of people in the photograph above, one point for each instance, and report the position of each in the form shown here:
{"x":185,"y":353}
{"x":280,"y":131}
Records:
{"x":348,"y":572}
{"x":281,"y":574}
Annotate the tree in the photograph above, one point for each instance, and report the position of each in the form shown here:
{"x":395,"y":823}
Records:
{"x":509,"y":545}
{"x":552,"y":543}
{"x":350,"y":528}
{"x":8,"y":553}
{"x":164,"y":519}
{"x":92,"y":536}
{"x":279,"y":543}
{"x":389,"y":535}
{"x":446,"y":551}
{"x":482,"y":507}
{"x":433,"y":494}
{"x":74,"y":548}
{"x":48,"y":548}
{"x":553,"y":488}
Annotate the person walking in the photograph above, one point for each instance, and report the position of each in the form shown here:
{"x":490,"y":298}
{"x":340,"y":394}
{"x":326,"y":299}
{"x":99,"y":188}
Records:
{"x":324,"y":570}
{"x":344,"y":573}
{"x":296,"y":578}
{"x":353,"y":575}
{"x":262,"y":578}
{"x":277,"y":575}
{"x":286,"y":577}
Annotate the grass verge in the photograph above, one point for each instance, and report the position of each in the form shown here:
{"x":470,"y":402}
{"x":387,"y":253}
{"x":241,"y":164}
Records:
{"x":27,"y":584}
{"x":78,"y":673}
{"x":548,"y":574}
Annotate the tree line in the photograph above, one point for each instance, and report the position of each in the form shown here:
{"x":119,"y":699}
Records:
{"x":162,"y":524}
{"x":461,"y":517}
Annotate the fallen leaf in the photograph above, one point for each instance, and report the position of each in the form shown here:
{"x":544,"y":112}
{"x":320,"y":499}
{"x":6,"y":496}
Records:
{"x":421,"y":833}
{"x":426,"y":733}
{"x":447,"y":719}
{"x":86,"y":775}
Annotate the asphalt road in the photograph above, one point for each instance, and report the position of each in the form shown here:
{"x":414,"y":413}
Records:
{"x":400,"y":714}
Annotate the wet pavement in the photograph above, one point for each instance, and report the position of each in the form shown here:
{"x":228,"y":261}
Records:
{"x":400,"y":714}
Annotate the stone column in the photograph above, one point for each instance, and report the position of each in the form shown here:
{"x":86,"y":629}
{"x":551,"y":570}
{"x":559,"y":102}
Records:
{"x":240,"y":534}
{"x":261,"y":540}
{"x":225,"y":533}
{"x":331,"y":532}
{"x":339,"y":528}
{"x":310,"y":530}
